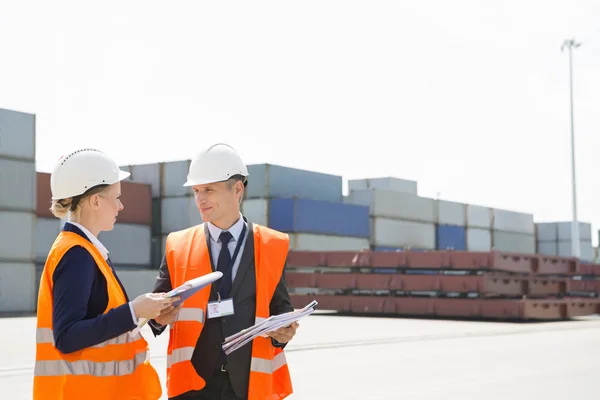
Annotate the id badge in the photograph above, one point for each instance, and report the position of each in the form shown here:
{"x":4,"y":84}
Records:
{"x":217,"y":309}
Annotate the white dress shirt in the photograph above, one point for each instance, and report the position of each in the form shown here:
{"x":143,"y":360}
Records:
{"x":215,"y":243}
{"x":104,"y":251}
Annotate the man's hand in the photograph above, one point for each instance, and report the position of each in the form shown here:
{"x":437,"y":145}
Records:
{"x":284,"y":335}
{"x":168,"y":315}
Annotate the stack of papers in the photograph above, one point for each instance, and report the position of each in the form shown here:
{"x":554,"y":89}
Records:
{"x":234,"y":342}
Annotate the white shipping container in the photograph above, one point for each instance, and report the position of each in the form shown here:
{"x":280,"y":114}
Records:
{"x":46,"y":231}
{"x":479,"y":239}
{"x":137,"y":281}
{"x":512,"y":221}
{"x":450,"y":213}
{"x":387,"y":232}
{"x":479,"y":217}
{"x":549,"y":248}
{"x":149,"y":174}
{"x":385,"y":183}
{"x":513,"y":242}
{"x":178,"y":213}
{"x":17,"y":185}
{"x":546,"y":231}
{"x":17,"y":232}
{"x":256,"y":210}
{"x":586,"y":250}
{"x":17,"y":134}
{"x":128,"y":244}
{"x":18,"y":290}
{"x":174,"y":175}
{"x":564,"y":231}
{"x":312,"y":242}
{"x":390,"y":204}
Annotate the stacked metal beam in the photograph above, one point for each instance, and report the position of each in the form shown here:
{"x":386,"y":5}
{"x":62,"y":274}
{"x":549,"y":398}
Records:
{"x":493,"y":284}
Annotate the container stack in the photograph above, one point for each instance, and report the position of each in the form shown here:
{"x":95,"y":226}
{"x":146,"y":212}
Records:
{"x":172,"y":204}
{"x":17,"y":211}
{"x":479,"y":228}
{"x":308,"y":206}
{"x":399,"y":218}
{"x":554,"y":238}
{"x":496,"y":285}
{"x":513,"y":232}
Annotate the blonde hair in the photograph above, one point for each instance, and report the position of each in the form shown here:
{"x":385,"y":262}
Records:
{"x":61,"y":208}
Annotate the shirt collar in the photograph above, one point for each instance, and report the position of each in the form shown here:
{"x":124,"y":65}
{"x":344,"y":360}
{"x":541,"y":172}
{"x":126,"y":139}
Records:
{"x":235,"y":230}
{"x":103,"y":250}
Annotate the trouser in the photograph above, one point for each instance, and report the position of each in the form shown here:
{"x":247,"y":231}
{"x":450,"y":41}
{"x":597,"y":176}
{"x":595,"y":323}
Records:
{"x":217,"y":388}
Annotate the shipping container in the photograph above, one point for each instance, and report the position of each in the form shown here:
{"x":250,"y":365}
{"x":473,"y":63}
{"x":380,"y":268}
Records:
{"x":479,"y":217}
{"x":389,"y":204}
{"x":397,"y":233}
{"x":512,"y":221}
{"x":451,"y":237}
{"x":156,"y":216}
{"x":137,"y":203}
{"x":564,"y":231}
{"x":17,"y":185}
{"x":319,"y":217}
{"x":128,"y":244}
{"x":586,"y":250}
{"x":479,"y":239}
{"x":17,"y":135}
{"x":137,"y":281}
{"x":178,"y":213}
{"x":546,"y":231}
{"x":149,"y":174}
{"x":174,"y":175}
{"x":513,"y":242}
{"x":157,"y":251}
{"x":385,"y":183}
{"x":549,"y":248}
{"x":450,"y":213}
{"x":313,"y":242}
{"x":43,"y":194}
{"x":46,"y":231}
{"x":256,"y":210}
{"x":271,"y":181}
{"x":17,"y":233}
{"x":18,"y":290}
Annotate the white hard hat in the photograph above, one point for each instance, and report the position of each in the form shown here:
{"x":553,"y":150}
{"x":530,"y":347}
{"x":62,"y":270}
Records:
{"x":81,"y":170}
{"x":217,"y":163}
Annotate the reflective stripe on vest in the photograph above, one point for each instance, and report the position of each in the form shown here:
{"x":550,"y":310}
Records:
{"x":268,"y":366}
{"x":86,"y":367}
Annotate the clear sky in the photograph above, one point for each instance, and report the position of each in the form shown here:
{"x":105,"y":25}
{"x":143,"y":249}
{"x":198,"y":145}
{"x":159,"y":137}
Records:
{"x":469,"y":98}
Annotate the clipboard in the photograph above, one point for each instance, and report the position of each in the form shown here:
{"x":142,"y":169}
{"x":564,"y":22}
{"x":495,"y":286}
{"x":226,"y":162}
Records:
{"x":186,"y":290}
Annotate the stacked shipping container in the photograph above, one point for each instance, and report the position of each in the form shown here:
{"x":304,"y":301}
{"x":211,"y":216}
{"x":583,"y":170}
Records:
{"x":17,"y":211}
{"x":554,"y":238}
{"x":308,"y":206}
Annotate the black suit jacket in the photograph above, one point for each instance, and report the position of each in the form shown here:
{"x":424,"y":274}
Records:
{"x":243,"y":292}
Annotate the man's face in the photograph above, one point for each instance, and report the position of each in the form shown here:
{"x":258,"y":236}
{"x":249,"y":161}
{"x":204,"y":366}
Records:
{"x":217,"y":201}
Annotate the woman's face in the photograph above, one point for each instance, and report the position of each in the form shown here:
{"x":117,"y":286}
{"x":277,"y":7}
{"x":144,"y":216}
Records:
{"x":109,"y":205}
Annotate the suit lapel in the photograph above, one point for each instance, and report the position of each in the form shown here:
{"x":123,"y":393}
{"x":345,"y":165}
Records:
{"x":247,"y":258}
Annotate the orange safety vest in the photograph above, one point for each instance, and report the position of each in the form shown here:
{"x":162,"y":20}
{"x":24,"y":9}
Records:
{"x":188,"y":258}
{"x":115,"y":369}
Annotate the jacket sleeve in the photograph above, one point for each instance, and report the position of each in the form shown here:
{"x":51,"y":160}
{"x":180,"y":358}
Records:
{"x":280,"y":302}
{"x":73,"y":279}
{"x":161,"y":285}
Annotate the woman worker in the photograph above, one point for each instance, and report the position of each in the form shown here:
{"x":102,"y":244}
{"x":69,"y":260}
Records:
{"x":84,"y":347}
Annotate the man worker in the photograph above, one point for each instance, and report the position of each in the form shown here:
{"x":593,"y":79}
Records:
{"x":252,"y":259}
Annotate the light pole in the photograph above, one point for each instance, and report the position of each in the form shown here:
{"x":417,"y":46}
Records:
{"x":575,"y":251}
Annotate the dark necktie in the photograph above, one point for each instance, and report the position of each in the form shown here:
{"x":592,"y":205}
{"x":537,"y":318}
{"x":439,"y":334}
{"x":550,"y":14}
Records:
{"x":224,"y":265}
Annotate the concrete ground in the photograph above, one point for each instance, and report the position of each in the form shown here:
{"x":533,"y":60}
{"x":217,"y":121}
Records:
{"x":341,"y":357}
